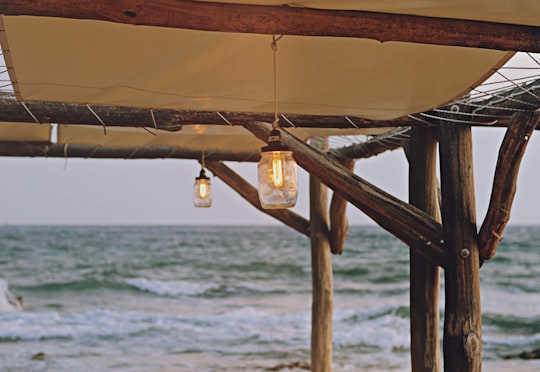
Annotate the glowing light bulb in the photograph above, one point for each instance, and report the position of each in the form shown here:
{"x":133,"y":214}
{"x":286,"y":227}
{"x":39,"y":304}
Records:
{"x":277,"y":171}
{"x":203,"y":189}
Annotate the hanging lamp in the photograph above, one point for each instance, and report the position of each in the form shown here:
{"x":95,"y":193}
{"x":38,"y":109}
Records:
{"x":202,"y":188}
{"x":277,"y":168}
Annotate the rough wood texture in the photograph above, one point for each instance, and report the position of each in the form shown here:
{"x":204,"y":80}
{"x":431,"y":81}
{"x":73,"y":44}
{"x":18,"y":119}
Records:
{"x":462,"y":341}
{"x":321,"y":273}
{"x":495,"y":110}
{"x":250,"y":193}
{"x":414,"y":227}
{"x":424,"y":275}
{"x":505,"y":181}
{"x":38,"y":149}
{"x":171,"y":120}
{"x":339,"y":223}
{"x":282,"y":20}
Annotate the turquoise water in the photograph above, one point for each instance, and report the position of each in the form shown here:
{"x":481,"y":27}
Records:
{"x":230,"y":299}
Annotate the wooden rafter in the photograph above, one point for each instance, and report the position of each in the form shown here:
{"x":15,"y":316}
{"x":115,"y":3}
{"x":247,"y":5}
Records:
{"x":171,"y":120}
{"x":53,"y":150}
{"x":284,"y":20}
{"x":494,"y":110}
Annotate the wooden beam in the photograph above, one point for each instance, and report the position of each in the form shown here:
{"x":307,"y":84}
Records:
{"x":39,"y":149}
{"x":462,"y":340}
{"x":249,"y":193}
{"x":416,"y":228}
{"x":505,"y":181}
{"x":284,"y":20}
{"x":373,"y":147}
{"x":12,"y":110}
{"x":321,"y":272}
{"x":424,"y":275}
{"x":494,"y":111}
{"x":339,"y":223}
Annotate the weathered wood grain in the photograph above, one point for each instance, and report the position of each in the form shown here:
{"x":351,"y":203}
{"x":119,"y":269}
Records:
{"x":424,"y":274}
{"x":462,"y":340}
{"x":284,"y":20}
{"x":504,"y":188}
{"x":321,"y":272}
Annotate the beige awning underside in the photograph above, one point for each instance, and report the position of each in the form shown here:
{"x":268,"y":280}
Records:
{"x":25,"y":132}
{"x":191,"y":137}
{"x":94,"y":62}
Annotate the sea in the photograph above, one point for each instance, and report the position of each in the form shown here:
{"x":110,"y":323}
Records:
{"x":233,"y":298}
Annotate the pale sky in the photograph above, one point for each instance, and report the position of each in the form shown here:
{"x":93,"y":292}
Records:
{"x":158,"y":192}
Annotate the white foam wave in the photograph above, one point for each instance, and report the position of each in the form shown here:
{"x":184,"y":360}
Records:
{"x":90,"y":324}
{"x":379,"y":328}
{"x":170,"y":288}
{"x":8,"y":302}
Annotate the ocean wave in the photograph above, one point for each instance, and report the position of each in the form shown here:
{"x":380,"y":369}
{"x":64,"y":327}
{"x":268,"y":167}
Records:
{"x":171,"y":288}
{"x":184,"y":288}
{"x":383,"y":328}
{"x":54,"y":325}
{"x":76,"y":284}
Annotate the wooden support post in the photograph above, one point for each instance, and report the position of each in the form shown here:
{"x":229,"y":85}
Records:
{"x":462,"y":343}
{"x":414,"y":227}
{"x":424,"y":275}
{"x":322,"y":279}
{"x":250,"y":193}
{"x":339,"y":223}
{"x":505,"y":181}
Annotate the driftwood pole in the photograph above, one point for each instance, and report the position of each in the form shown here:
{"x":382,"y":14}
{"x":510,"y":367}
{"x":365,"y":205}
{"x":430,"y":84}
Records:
{"x":424,"y":275}
{"x":505,"y":181}
{"x":322,"y":278}
{"x":462,"y":341}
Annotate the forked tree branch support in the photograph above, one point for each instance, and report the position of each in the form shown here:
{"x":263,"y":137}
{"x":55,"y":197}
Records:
{"x":505,"y":181}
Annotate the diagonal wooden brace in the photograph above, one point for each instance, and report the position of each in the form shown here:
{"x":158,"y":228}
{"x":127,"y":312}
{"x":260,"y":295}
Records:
{"x":414,"y":227}
{"x":248,"y":192}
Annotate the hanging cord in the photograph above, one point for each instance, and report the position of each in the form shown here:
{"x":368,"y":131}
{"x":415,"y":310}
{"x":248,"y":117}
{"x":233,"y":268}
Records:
{"x":274,"y":53}
{"x":202,"y":157}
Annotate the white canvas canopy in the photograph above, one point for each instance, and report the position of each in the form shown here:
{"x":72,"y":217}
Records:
{"x":96,"y":62}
